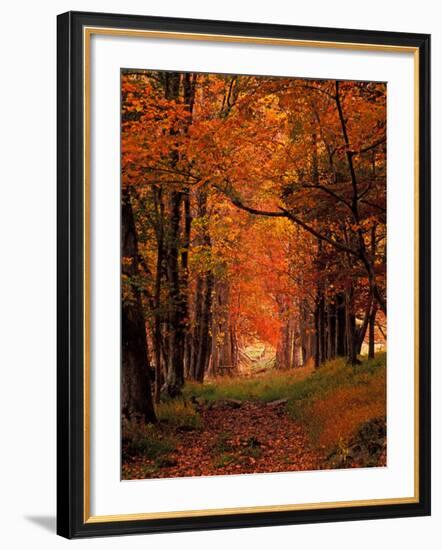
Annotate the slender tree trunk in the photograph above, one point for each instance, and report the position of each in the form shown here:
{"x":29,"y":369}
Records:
{"x":201,"y":335}
{"x":189,"y":86}
{"x":322,"y":328}
{"x":159,"y":207}
{"x":306,"y":336}
{"x":351,"y":328}
{"x":283,"y":351}
{"x":341,"y":325}
{"x":362,"y":331}
{"x":204,"y":341}
{"x":317,"y":355}
{"x":221,"y":345}
{"x":372,"y":321}
{"x":196,"y":332}
{"x":175,"y":367}
{"x":177,"y":303}
{"x":331,"y":314}
{"x":136,"y":386}
{"x":234,"y":344}
{"x":371,"y":335}
{"x":294,"y":358}
{"x":185,"y":277}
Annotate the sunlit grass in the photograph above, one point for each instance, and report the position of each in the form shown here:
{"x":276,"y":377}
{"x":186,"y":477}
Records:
{"x":331,"y":402}
{"x":269,"y":387}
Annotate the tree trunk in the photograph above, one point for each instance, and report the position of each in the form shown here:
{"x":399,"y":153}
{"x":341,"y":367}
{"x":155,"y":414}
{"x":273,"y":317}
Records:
{"x":341,"y":331}
{"x":317,"y":354}
{"x":177,"y":303}
{"x":307,"y":333}
{"x":196,"y":332}
{"x":185,"y":277}
{"x":159,"y":207}
{"x":201,"y":334}
{"x":136,"y":386}
{"x":371,"y":335}
{"x":222,"y":360}
{"x":351,"y":328}
{"x":204,"y":340}
{"x":283,"y":351}
{"x":362,"y":331}
{"x":175,"y":367}
{"x":331,"y":321}
{"x":322,"y":328}
{"x":372,"y":320}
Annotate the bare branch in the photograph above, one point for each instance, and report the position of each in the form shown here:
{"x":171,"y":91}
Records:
{"x":340,"y":246}
{"x":316,"y":89}
{"x":283,"y":213}
{"x":328,"y":191}
{"x":372,"y":146}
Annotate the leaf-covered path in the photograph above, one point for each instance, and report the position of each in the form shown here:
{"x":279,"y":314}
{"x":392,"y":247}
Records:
{"x":235,"y":438}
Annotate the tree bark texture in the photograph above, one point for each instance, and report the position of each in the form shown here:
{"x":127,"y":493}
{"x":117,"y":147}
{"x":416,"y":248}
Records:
{"x":136,"y":386}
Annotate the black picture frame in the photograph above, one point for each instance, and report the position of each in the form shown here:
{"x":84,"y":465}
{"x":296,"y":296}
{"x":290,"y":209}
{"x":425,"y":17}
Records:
{"x":71,"y":520}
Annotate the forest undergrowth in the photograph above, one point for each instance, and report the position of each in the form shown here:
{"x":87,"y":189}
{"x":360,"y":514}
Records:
{"x":298,"y":419}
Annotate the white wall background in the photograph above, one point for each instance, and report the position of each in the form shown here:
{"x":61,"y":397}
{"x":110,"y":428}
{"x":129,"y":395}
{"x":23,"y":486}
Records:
{"x":27,"y":288}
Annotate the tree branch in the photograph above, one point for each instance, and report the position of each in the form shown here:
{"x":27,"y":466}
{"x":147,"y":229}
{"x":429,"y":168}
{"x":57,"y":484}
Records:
{"x":340,"y":246}
{"x":316,"y":89}
{"x":372,"y":146}
{"x":255,"y":211}
{"x":328,"y":191}
{"x":283,"y":213}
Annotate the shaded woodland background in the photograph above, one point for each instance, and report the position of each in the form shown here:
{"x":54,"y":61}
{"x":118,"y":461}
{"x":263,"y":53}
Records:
{"x":253,"y":228}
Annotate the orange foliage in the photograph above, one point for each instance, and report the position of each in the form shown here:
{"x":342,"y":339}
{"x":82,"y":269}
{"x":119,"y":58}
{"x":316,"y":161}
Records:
{"x":274,"y":144}
{"x":341,"y":412}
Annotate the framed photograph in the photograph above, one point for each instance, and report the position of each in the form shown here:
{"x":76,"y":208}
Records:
{"x":243,"y":274}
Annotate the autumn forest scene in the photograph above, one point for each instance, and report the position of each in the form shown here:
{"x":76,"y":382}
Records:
{"x":253,"y":274}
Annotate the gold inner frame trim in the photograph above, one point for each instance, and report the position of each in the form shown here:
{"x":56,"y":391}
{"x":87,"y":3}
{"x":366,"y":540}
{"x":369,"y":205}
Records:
{"x":87,"y":33}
